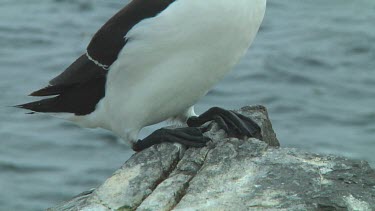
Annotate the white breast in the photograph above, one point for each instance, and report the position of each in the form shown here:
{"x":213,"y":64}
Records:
{"x":173,"y":59}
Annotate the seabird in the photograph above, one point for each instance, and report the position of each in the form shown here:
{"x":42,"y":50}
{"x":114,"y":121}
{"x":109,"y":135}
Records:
{"x":152,"y":61}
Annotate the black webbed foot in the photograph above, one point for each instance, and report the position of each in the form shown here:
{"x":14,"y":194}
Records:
{"x":189,"y":136}
{"x":234,"y":124}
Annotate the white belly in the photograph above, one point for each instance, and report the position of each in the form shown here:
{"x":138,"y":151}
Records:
{"x":173,"y":59}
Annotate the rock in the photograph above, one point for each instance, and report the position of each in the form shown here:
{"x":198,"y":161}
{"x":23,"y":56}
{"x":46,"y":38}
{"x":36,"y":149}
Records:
{"x":233,"y":174}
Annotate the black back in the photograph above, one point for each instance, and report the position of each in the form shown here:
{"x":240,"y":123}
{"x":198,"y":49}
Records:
{"x":110,"y":39}
{"x":81,"y":86}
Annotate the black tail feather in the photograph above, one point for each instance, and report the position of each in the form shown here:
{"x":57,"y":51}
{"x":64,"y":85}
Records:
{"x":77,"y":90}
{"x":45,"y":105}
{"x":52,"y":90}
{"x":79,"y":99}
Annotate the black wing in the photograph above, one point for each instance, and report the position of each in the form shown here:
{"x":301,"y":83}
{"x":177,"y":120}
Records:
{"x":81,"y":86}
{"x":110,"y":39}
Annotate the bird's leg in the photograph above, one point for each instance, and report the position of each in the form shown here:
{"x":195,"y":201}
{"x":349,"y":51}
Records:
{"x":188,"y":136}
{"x":234,"y":124}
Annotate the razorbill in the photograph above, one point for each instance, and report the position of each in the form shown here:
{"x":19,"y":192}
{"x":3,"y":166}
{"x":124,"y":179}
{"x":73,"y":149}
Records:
{"x":152,"y":61}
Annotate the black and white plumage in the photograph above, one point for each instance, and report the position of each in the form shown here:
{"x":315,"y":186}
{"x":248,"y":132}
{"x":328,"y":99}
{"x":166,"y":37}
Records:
{"x":152,"y":61}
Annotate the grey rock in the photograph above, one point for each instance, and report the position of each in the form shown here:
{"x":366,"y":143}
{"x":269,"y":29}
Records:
{"x":233,"y":174}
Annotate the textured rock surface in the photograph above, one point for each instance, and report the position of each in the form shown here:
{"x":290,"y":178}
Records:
{"x":233,"y":174}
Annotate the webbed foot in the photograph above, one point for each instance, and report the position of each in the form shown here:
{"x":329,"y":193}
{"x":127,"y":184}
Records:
{"x":234,"y":124}
{"x":189,"y":136}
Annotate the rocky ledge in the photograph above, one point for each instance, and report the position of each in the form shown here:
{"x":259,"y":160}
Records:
{"x":233,"y":174}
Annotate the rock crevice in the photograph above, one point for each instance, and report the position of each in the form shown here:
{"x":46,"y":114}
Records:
{"x":233,"y":174}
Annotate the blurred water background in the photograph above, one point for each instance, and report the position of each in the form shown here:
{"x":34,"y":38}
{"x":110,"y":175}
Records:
{"x":312,"y":65}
